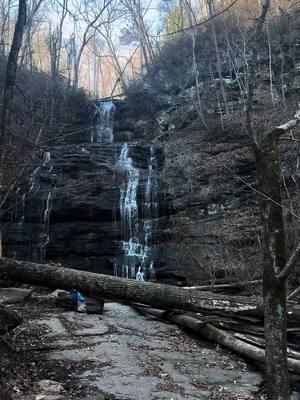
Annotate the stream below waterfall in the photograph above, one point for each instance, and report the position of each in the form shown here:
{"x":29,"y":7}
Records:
{"x":92,"y":202}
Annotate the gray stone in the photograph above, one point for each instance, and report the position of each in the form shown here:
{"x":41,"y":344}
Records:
{"x":140,"y":358}
{"x":48,"y":386}
{"x":98,"y":331}
{"x":13,"y":295}
{"x":129,"y":387}
{"x":53,"y":324}
{"x":97,"y":397}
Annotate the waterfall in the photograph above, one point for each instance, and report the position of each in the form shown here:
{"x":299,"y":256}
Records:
{"x":103,"y":115}
{"x":44,"y":236}
{"x":137,"y":229}
{"x":47,"y":161}
{"x":109,"y":189}
{"x":41,"y":238}
{"x":150,"y":211}
{"x":128,"y":191}
{"x":34,"y":180}
{"x":21,"y":222}
{"x":107,"y":110}
{"x":151,"y":203}
{"x":152,"y":182}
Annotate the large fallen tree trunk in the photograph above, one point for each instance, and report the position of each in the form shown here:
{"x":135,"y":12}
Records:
{"x":226,"y":339}
{"x":225,"y":286}
{"x":110,"y":287}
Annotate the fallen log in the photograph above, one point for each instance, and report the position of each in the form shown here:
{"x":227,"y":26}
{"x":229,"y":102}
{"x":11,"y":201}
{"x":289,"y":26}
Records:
{"x":225,"y":286}
{"x":111,"y":287}
{"x":225,"y":339}
{"x":294,"y":293}
{"x":260,"y":342}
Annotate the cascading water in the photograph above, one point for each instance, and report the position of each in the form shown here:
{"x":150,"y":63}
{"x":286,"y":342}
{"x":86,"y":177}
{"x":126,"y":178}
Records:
{"x":44,"y":236}
{"x":34,"y":179}
{"x":150,"y":211}
{"x":22,"y":218}
{"x":137,"y":229}
{"x":103,"y":130}
{"x":128,"y":191}
{"x":40,"y":238}
{"x":47,"y":161}
{"x":113,"y":188}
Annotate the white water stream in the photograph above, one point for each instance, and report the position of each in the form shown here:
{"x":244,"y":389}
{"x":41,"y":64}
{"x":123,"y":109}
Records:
{"x":138,"y":203}
{"x":137,"y":224}
{"x":103,"y":131}
{"x":39,"y":249}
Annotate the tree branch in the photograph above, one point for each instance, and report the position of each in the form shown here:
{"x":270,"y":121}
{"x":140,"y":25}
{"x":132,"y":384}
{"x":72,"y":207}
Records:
{"x":279,"y":130}
{"x":253,"y":68}
{"x":290,"y":265}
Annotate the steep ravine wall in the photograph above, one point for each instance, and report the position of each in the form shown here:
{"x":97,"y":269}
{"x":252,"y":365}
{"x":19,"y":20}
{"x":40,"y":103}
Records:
{"x":207,"y":222}
{"x":69,"y":209}
{"x":211,"y":226}
{"x":214,"y":230}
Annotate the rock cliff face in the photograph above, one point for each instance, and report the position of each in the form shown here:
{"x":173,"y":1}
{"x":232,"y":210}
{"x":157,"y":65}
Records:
{"x":172,"y":200}
{"x":92,"y":202}
{"x":214,"y":228}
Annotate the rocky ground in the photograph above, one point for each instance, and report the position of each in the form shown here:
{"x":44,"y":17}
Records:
{"x":120,"y":355}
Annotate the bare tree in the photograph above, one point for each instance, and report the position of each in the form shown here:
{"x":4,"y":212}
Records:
{"x":107,"y":34}
{"x":211,"y":11}
{"x":191,"y":17}
{"x":6,"y":7}
{"x":11,"y":71}
{"x":10,"y":78}
{"x":139,"y":27}
{"x":70,"y":47}
{"x":32,"y":23}
{"x":276,"y":266}
{"x":90,"y":16}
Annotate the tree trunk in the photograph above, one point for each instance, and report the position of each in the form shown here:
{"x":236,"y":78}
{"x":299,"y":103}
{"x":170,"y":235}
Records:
{"x":225,"y":286}
{"x":274,"y":260}
{"x":218,"y":58}
{"x":217,"y":335}
{"x":111,"y":287}
{"x":11,"y":72}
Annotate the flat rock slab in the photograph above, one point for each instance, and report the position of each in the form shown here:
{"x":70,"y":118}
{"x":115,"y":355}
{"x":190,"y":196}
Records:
{"x":145,"y":359}
{"x":123,"y":355}
{"x":97,"y":331}
{"x":13,"y":295}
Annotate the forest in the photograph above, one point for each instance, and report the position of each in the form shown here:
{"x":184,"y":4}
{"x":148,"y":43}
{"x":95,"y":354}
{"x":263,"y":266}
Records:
{"x":149,"y":199}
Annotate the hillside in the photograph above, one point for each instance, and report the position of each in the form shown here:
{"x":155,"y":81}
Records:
{"x":213,"y":230}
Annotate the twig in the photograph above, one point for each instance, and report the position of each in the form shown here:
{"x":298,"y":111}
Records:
{"x":293,"y":293}
{"x":290,"y":265}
